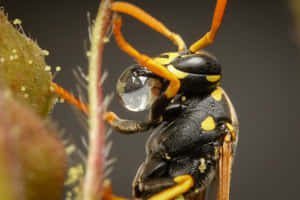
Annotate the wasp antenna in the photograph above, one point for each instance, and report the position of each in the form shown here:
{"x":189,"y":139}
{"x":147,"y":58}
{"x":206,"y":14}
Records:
{"x":150,"y":21}
{"x":209,"y":37}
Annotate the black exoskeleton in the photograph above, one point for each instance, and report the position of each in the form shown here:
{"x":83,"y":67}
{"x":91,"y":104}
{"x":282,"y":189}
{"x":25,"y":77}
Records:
{"x":187,"y":130}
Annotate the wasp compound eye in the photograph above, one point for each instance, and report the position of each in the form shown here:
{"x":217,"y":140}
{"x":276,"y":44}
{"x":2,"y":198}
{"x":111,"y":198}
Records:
{"x":137,"y":89}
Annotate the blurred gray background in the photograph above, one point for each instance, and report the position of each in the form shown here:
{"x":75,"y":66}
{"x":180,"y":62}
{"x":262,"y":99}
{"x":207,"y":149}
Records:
{"x":258,"y":51}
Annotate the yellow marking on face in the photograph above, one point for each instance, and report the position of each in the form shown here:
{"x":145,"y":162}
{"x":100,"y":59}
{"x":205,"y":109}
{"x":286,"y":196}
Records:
{"x":179,"y":74}
{"x":208,"y":124}
{"x":217,"y":94}
{"x":166,"y":58}
{"x":213,"y":78}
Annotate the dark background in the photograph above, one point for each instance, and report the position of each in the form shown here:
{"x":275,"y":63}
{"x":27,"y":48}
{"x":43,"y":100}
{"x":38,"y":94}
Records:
{"x":258,"y":51}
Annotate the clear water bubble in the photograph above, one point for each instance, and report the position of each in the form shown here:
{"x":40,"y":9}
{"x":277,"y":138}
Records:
{"x":136,"y":90}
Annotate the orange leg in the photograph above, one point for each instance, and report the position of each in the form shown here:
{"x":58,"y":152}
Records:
{"x":150,"y":21}
{"x":108,"y":195}
{"x":146,"y":61}
{"x":69,"y":98}
{"x":183,"y":184}
{"x":209,"y":37}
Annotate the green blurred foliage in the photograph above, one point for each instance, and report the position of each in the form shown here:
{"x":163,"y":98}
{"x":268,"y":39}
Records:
{"x":32,"y":159}
{"x":23,"y":69}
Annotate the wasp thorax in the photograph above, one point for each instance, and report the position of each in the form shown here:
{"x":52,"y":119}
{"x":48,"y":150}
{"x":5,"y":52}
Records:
{"x":137,"y":90}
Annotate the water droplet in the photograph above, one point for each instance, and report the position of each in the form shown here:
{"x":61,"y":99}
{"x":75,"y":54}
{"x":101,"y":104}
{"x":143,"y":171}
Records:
{"x":136,"y":90}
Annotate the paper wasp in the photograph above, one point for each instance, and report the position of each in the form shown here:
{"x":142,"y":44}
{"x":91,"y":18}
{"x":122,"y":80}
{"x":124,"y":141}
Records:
{"x":194,"y":128}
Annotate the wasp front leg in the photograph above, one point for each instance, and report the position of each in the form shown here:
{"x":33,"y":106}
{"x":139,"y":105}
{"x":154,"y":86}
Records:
{"x":126,"y":126}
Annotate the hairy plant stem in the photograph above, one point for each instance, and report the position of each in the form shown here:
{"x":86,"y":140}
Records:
{"x":93,"y":181}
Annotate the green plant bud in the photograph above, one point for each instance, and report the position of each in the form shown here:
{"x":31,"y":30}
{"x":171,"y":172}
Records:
{"x":23,"y":69}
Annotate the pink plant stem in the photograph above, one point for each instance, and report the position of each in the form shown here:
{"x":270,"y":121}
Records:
{"x":93,"y":181}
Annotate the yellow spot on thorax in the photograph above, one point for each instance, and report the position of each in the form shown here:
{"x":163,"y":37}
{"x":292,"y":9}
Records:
{"x":208,"y":124}
{"x":217,"y":94}
{"x":213,"y":78}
